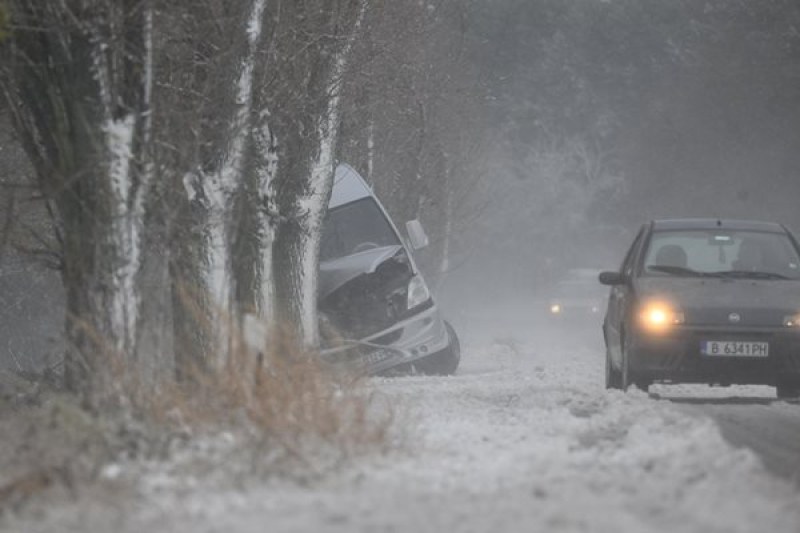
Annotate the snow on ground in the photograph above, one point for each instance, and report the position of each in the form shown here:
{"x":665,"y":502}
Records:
{"x":525,"y":438}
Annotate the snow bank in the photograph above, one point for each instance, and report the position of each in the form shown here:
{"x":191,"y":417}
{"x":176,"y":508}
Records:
{"x":524,"y":439}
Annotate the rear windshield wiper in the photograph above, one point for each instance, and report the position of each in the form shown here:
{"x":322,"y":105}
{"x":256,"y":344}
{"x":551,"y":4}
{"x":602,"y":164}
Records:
{"x":677,"y":270}
{"x":750,"y":274}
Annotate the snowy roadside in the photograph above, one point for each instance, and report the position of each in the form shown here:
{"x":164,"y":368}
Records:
{"x":524,"y":439}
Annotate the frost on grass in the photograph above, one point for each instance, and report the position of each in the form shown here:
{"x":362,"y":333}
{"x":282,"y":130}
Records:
{"x":525,"y":441}
{"x":283,"y":412}
{"x":259,"y":416}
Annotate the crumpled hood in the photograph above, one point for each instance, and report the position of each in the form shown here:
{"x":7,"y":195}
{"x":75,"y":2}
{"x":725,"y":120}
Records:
{"x":336,"y":272}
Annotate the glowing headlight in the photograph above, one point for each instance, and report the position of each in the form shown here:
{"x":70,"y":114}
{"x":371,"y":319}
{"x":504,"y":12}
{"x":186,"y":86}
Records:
{"x":658,"y":316}
{"x":555,"y":309}
{"x":792,"y":321}
{"x":418,"y":292}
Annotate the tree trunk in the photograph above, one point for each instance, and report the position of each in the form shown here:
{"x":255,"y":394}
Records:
{"x":85,"y":127}
{"x":255,"y":291}
{"x":217,"y":186}
{"x":309,"y":134}
{"x":448,"y":215}
{"x":265,"y":167}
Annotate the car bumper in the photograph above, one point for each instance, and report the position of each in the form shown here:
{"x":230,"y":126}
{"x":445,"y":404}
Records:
{"x":676,"y":357}
{"x":413,"y":338}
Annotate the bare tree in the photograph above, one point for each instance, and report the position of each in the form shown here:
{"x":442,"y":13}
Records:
{"x":79,"y":80}
{"x":237,"y":113}
{"x":415,"y":110}
{"x":312,"y":44}
{"x":213,"y":184}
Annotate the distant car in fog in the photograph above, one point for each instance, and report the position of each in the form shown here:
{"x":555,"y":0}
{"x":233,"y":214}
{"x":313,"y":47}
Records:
{"x":577,"y":295}
{"x":376,"y":312}
{"x":706,"y":301}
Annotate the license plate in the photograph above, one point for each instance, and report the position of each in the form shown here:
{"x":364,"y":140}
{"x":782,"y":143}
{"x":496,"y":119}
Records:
{"x":734,"y":349}
{"x":375,"y":357}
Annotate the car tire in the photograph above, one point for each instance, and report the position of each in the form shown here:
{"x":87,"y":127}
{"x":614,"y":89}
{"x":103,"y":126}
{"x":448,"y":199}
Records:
{"x":625,"y":372}
{"x":613,"y":376}
{"x":444,"y":362}
{"x":628,"y":377}
{"x":788,"y":391}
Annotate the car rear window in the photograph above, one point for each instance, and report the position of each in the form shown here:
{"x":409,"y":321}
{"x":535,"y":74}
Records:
{"x":705,"y":251}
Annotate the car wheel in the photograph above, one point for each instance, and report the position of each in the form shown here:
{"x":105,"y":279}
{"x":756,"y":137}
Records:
{"x":613,"y":376}
{"x":444,"y":362}
{"x":625,"y":377}
{"x":628,"y":378}
{"x":787,"y":391}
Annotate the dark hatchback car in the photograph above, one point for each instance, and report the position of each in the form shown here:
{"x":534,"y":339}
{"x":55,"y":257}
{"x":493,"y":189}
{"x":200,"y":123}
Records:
{"x":706,"y":301}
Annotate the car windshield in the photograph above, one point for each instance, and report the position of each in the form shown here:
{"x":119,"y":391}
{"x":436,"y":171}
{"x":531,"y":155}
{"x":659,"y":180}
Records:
{"x":723,"y":253}
{"x":353,"y":228}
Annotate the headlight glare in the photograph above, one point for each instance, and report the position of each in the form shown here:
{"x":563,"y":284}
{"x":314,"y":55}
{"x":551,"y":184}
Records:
{"x":555,"y":309}
{"x":418,"y":292}
{"x":792,"y":321}
{"x":659,"y":316}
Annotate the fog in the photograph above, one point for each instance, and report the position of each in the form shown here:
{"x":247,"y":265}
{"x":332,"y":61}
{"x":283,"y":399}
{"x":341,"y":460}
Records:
{"x":530,"y":138}
{"x":603,"y":115}
{"x":561,"y":128}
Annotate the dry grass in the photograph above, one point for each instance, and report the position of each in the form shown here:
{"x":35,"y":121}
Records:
{"x":49,"y":442}
{"x":286,"y":402}
{"x":284,"y":411}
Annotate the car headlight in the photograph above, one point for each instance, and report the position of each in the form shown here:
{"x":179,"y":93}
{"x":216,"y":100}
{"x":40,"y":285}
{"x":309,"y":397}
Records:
{"x":792,"y":321}
{"x":418,"y":292}
{"x":555,"y":309}
{"x":659,"y":316}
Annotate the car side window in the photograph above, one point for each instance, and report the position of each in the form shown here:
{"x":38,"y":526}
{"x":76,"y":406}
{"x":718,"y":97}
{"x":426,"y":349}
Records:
{"x":630,"y":257}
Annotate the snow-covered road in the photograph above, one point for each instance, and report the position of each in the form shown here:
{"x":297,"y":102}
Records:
{"x":525,"y":438}
{"x":766,"y":426}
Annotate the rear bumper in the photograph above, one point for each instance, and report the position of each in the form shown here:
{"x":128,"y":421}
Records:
{"x":406,"y":341}
{"x":676,"y":357}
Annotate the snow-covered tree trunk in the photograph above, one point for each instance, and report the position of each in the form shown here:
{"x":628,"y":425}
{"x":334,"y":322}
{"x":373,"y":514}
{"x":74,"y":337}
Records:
{"x":128,"y":136}
{"x":265,"y":168}
{"x":309,"y":137}
{"x":85,"y":126}
{"x":217,"y":185}
{"x":297,"y":242}
{"x":253,"y":257}
{"x":314,"y":205}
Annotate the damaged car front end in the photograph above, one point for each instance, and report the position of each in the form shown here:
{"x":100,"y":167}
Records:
{"x":376,"y":312}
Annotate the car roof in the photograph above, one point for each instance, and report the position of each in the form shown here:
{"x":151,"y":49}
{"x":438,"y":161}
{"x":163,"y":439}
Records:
{"x":716,"y":223}
{"x":348,"y":186}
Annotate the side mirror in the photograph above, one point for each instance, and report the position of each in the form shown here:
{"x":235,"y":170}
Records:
{"x":611,"y":278}
{"x":416,"y":235}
